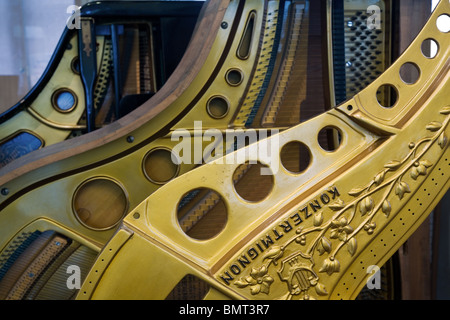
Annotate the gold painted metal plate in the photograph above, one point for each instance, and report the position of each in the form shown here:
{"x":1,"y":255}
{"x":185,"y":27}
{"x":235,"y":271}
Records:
{"x":317,"y":233}
{"x":49,"y":198}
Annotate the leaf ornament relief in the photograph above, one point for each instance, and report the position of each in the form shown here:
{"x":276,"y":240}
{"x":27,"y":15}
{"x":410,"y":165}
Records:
{"x":297,"y":268}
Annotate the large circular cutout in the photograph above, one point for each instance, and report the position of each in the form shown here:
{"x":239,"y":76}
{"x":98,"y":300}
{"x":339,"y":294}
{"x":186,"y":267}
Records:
{"x":159,"y":167}
{"x":295,"y":156}
{"x":100,"y":203}
{"x":387,"y":96}
{"x":202,"y":213}
{"x":253,"y":182}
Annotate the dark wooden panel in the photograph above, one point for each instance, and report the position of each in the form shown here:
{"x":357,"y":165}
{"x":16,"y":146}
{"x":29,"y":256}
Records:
{"x":415,"y":255}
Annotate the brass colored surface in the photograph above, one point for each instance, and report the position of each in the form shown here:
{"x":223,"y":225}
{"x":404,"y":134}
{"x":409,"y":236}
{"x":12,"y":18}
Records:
{"x":316,"y":234}
{"x":308,"y":230}
{"x":124,"y":160}
{"x":85,"y":216}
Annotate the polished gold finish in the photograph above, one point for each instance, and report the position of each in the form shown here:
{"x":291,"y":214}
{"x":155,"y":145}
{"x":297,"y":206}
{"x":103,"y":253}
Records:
{"x":52,"y":124}
{"x":128,"y":159}
{"x":61,"y":184}
{"x":218,"y":107}
{"x":294,"y":232}
{"x":46,"y":117}
{"x":315,"y":235}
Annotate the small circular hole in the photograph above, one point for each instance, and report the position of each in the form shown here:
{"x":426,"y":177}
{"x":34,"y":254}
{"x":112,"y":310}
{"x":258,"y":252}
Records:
{"x":387,"y":96}
{"x":202,"y":213}
{"x":409,"y":73}
{"x":234,"y":77}
{"x":217,"y":107}
{"x":64,"y":100}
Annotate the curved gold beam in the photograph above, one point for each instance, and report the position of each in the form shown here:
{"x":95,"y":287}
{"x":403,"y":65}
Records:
{"x":61,"y":187}
{"x":316,"y":233}
{"x":53,"y":124}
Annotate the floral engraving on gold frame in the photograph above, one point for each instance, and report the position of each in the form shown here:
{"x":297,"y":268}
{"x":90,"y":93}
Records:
{"x":298,"y":269}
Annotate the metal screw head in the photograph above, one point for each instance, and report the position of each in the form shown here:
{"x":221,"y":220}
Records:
{"x":4,"y":191}
{"x":224,"y":25}
{"x":130,"y":139}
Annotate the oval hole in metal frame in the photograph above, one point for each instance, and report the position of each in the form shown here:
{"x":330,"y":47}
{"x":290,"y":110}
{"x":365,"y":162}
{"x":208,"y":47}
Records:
{"x":243,"y":50}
